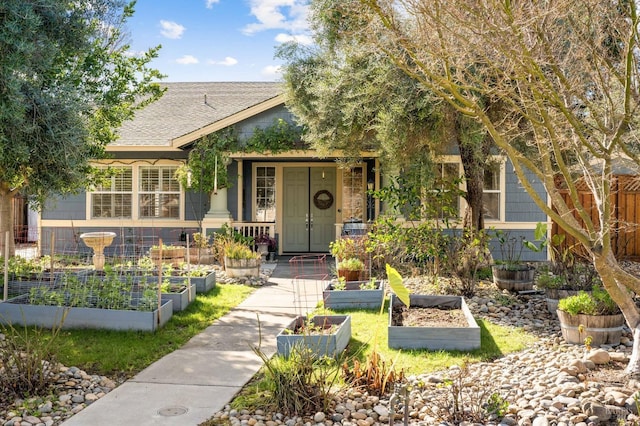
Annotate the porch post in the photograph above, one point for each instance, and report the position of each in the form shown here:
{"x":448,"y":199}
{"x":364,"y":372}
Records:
{"x":218,"y":213}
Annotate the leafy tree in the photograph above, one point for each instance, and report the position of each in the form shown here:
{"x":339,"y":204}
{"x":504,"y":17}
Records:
{"x":67,"y":82}
{"x":352,"y":97}
{"x":566,"y":74}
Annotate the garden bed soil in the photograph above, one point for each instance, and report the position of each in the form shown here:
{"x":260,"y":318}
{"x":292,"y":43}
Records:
{"x":429,"y":317}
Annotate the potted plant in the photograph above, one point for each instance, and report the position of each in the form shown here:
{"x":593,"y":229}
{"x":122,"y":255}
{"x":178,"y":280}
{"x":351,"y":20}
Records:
{"x":560,"y":281}
{"x":350,"y":269}
{"x":348,"y":247}
{"x":592,"y":318}
{"x":509,"y":272}
{"x":265,"y":244}
{"x":241,"y":261}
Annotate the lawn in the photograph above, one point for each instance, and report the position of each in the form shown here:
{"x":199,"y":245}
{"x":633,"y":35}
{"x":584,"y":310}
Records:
{"x":124,"y":353}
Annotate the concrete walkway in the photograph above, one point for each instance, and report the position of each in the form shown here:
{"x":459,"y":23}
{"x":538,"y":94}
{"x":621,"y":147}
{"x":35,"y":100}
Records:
{"x":188,"y":386}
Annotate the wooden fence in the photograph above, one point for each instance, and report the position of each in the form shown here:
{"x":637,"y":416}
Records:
{"x":625,"y":201}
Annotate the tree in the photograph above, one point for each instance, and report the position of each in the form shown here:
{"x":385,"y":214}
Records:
{"x":352,"y":97}
{"x":566,"y":74}
{"x":67,"y":82}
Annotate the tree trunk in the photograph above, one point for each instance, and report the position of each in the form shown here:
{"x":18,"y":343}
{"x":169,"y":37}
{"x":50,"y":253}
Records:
{"x":618,"y":283}
{"x":6,"y":222}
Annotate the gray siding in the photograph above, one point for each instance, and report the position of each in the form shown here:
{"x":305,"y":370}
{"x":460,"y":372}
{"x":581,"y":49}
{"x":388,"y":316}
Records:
{"x":519,"y":205}
{"x":71,"y":207}
{"x":265,"y":119}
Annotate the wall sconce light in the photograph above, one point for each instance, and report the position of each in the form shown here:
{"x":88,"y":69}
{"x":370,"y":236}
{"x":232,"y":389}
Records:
{"x":323,"y":173}
{"x":370,"y":185}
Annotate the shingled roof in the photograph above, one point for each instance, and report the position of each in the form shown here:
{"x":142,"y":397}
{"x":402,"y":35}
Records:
{"x":187,"y":107}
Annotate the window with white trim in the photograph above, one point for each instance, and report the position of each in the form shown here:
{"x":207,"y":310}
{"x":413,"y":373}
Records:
{"x":265,"y":194}
{"x":492,"y":195}
{"x":112,"y":198}
{"x":447,"y":174}
{"x":353,"y":195}
{"x":492,"y":198}
{"x":158,"y":192}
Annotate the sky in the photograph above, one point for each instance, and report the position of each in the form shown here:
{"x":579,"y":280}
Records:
{"x":217,"y":40}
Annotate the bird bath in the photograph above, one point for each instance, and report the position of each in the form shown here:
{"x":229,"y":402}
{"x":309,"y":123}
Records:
{"x":98,"y":241}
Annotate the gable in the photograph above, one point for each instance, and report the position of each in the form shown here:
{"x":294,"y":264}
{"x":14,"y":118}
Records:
{"x":189,"y":110}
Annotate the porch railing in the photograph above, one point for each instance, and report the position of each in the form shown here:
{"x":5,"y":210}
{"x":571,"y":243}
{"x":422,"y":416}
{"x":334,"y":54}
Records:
{"x":255,"y":229}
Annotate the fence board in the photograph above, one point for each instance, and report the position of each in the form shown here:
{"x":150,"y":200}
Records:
{"x":625,"y":199}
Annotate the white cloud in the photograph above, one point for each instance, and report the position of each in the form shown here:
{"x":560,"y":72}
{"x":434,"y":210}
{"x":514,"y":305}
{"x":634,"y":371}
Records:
{"x":171,"y":29}
{"x":187,"y":60}
{"x":227,"y":62}
{"x":300,"y":38}
{"x":272,"y":70}
{"x":210,"y":3}
{"x":289,"y":15}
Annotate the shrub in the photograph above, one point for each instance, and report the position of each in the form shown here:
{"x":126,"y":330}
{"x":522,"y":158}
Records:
{"x":598,"y":302}
{"x":27,"y":361}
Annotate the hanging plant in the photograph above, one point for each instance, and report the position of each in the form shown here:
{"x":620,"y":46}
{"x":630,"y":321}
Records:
{"x":206,"y":168}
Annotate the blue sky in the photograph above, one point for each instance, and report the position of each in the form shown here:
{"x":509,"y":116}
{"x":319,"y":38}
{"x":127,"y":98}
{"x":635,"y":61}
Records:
{"x":217,"y":40}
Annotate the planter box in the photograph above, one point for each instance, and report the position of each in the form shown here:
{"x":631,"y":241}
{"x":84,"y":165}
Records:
{"x":175,"y":255}
{"x":203,"y":284}
{"x":514,"y":277}
{"x":242,"y":267}
{"x":603,"y":329}
{"x":322,"y":344}
{"x":434,"y":338}
{"x":206,"y":283}
{"x":352,"y":297}
{"x":48,"y":316}
{"x":181,"y":300}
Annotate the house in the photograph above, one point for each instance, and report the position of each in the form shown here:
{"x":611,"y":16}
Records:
{"x":295,"y":195}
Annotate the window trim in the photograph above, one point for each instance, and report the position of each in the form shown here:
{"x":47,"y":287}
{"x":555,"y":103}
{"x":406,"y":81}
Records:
{"x":135,"y":194}
{"x":463,"y":186}
{"x":254,"y":190}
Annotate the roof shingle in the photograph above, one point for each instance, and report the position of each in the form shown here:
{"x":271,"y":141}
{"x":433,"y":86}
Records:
{"x":182,"y":109}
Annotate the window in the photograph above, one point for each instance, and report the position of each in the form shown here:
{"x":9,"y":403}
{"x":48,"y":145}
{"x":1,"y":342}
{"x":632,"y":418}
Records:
{"x":353,"y":201}
{"x":158,"y":192}
{"x":446,"y":179}
{"x":449,"y":172}
{"x":491,"y":195}
{"x":112,"y":199}
{"x":265,"y":194}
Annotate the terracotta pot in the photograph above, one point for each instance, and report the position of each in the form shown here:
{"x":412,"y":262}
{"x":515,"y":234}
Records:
{"x":349,"y":275}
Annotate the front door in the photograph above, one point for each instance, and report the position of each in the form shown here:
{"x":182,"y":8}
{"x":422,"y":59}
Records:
{"x":309,"y":209}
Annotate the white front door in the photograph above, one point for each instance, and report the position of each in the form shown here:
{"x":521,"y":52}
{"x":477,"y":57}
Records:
{"x":309,"y":209}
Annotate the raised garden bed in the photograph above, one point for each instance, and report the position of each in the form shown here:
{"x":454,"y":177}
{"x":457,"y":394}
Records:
{"x":326,"y":335}
{"x":430,"y":335}
{"x":354,"y":295}
{"x":18,"y":311}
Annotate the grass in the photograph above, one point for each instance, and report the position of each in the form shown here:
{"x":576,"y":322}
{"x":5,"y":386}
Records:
{"x":369,"y":332}
{"x":124,"y":353}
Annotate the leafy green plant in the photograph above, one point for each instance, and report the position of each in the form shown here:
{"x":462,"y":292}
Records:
{"x":340,"y":284}
{"x":598,"y":302}
{"x":236,"y":250}
{"x":351,"y":264}
{"x":372,"y":284}
{"x":346,"y":248}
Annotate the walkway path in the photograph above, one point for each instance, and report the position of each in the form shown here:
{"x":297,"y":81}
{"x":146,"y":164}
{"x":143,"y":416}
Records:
{"x":189,"y":385}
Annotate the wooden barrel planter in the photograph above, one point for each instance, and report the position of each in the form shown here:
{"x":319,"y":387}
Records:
{"x":518,"y":278}
{"x":553,"y":296}
{"x":242,"y":267}
{"x":603,"y":329}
